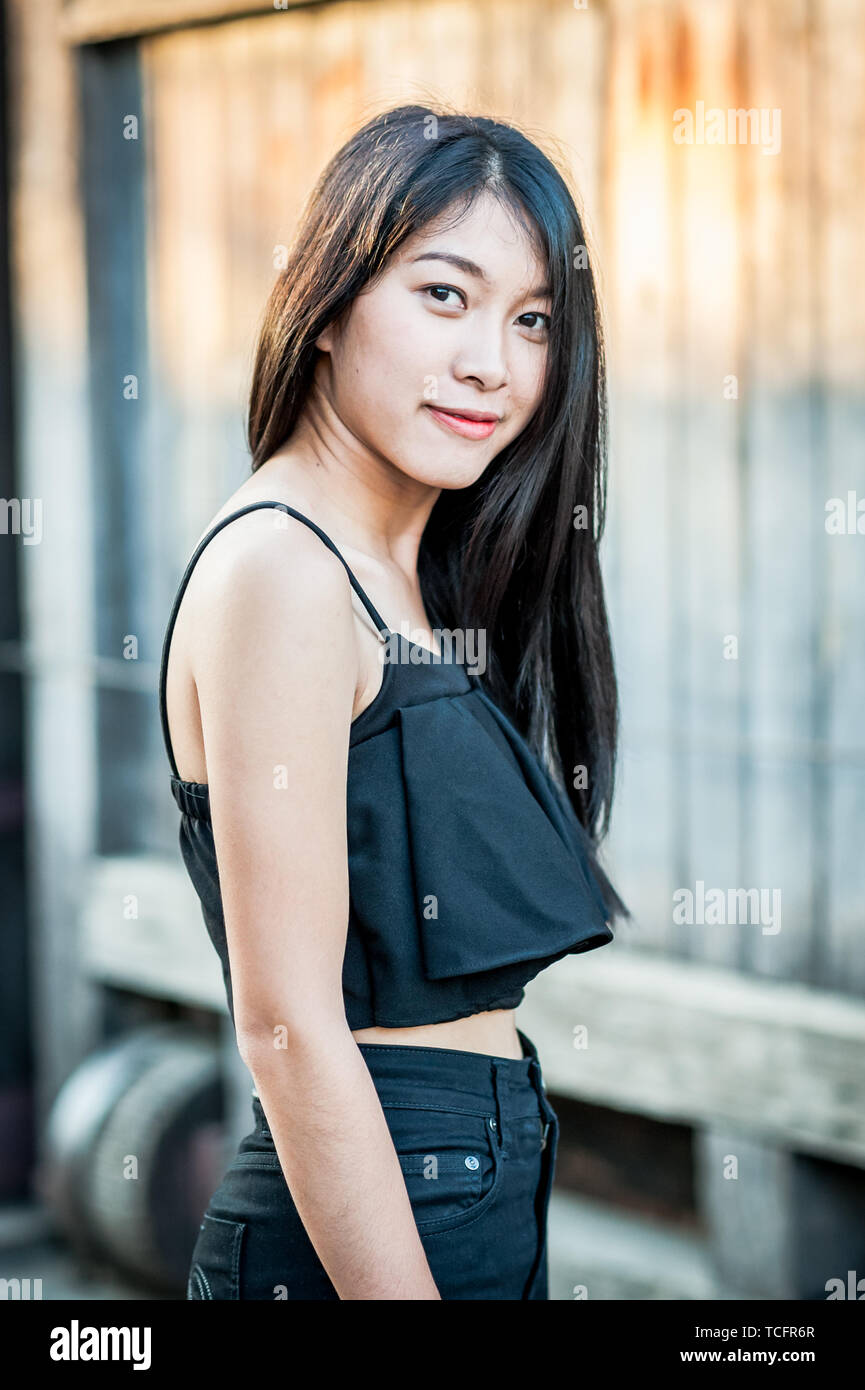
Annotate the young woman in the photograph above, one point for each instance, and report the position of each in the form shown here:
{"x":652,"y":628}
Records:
{"x":392,"y":831}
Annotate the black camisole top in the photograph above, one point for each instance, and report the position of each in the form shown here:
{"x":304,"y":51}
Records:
{"x":469,"y":871}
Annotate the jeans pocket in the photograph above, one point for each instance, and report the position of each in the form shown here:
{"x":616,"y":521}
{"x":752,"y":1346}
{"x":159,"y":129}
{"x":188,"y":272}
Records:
{"x":450,"y":1164}
{"x":215,"y":1269}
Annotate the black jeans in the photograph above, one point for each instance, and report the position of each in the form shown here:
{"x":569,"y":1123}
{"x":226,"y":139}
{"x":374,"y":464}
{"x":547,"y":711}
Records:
{"x":476,"y":1139}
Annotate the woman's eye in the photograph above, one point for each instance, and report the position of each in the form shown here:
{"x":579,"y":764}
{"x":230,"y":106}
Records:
{"x":538,"y":327}
{"x":446,"y":289}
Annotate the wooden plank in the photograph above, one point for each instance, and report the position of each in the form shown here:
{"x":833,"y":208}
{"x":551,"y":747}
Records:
{"x":637,"y":264}
{"x":512,"y":45}
{"x":683,"y":1041}
{"x":782,"y":612}
{"x":838,"y":194}
{"x":567,"y":103}
{"x":47,"y":268}
{"x":391,"y":55}
{"x":705,"y":560}
{"x":445,"y":56}
{"x":142,"y":930}
{"x":98,"y":21}
{"x":189,"y":270}
{"x":744,"y":1190}
{"x":567,"y":118}
{"x":112,"y":189}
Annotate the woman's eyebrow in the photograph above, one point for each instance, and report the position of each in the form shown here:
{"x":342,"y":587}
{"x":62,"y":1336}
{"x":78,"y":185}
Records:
{"x":472,"y":268}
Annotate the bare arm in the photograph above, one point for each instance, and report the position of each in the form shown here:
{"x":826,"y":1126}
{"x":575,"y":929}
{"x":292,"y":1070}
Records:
{"x":276,"y":663}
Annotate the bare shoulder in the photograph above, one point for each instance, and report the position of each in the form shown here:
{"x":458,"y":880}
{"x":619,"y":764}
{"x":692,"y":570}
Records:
{"x":266,"y":581}
{"x":268,"y":542}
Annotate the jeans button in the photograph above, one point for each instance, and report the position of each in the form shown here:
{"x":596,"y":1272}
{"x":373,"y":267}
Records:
{"x":472,"y":1162}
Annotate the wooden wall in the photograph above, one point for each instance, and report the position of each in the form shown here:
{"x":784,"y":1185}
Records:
{"x":716,"y":262}
{"x":725,"y":261}
{"x":731,"y":287}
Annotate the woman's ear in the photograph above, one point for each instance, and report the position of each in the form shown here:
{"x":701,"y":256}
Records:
{"x":328,"y":336}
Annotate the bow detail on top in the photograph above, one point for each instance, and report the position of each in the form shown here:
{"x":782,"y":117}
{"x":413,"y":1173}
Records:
{"x":501,"y":873}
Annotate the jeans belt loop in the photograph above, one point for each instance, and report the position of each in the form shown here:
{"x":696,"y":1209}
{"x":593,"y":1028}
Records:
{"x":537,"y":1082}
{"x":503,"y":1108}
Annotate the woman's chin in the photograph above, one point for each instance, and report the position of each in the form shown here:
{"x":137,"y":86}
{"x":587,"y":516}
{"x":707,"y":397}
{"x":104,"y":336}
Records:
{"x":445,"y":475}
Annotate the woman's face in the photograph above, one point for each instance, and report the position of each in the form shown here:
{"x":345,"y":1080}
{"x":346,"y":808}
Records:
{"x":436,"y":335}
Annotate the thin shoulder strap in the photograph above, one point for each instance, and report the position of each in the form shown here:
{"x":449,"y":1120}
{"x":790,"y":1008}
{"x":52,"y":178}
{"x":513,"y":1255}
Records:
{"x":251,"y":507}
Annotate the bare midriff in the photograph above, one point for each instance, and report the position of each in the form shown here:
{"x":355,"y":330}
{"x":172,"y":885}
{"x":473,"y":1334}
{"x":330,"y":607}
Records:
{"x":493,"y":1032}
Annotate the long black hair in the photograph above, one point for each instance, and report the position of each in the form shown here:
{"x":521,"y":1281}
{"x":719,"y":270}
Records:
{"x":515,"y":553}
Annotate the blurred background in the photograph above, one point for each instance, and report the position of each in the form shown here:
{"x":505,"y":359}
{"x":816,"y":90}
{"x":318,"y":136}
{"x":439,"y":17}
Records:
{"x":709,"y":1068}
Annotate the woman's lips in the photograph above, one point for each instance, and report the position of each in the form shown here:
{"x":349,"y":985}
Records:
{"x":469,"y":429}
